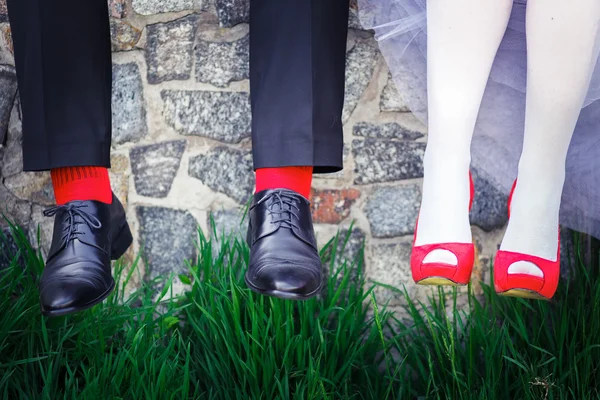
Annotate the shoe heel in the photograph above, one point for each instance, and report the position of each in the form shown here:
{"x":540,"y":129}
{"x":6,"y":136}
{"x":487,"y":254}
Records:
{"x":249,"y":235}
{"x":121,"y":243}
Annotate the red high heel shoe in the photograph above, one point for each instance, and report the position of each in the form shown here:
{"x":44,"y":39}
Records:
{"x":440,"y":273}
{"x":525,"y":285}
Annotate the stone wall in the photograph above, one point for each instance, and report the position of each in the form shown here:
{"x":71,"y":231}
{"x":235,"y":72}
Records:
{"x":181,"y":143}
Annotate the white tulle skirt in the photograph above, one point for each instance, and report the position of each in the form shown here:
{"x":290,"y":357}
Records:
{"x":401,"y":30}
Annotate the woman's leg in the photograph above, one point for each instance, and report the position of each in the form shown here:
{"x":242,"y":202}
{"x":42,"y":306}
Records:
{"x":463,"y":38}
{"x":562,"y":49}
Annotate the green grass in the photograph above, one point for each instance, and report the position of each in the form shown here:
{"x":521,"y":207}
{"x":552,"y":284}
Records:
{"x":506,"y":348}
{"x":220,"y":341}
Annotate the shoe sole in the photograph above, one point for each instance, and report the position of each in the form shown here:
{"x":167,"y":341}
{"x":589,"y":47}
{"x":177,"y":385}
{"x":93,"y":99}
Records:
{"x":439,"y":281}
{"x":523,"y":294}
{"x":283,"y":295}
{"x":122,"y":242}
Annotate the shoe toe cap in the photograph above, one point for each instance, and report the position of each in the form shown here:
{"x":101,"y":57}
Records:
{"x":65,"y":294}
{"x":286,"y":277}
{"x":60,"y":290}
{"x":289,"y":277}
{"x":59,"y":295}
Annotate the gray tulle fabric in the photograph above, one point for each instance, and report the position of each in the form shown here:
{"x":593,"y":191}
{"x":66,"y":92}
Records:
{"x":401,"y":30}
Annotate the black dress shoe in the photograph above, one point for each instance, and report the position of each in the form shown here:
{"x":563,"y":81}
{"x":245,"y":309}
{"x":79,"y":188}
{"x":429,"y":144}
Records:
{"x":284,"y":260}
{"x":87,"y":236}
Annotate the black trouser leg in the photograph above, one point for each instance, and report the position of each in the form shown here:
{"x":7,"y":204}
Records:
{"x":297,"y":70}
{"x":64,"y":70}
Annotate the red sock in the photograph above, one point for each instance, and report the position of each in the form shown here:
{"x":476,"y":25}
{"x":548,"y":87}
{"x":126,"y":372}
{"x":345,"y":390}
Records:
{"x":297,"y":179}
{"x":81,"y":183}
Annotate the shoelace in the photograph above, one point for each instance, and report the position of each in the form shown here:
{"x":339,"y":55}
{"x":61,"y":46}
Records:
{"x":74,"y":210}
{"x":281,"y":214}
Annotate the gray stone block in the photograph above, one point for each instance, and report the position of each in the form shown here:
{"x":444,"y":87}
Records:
{"x":116,"y":8}
{"x":228,"y":224}
{"x":219,"y":63}
{"x":128,"y":108}
{"x":391,"y":267}
{"x":489,"y":210}
{"x":167,"y":238}
{"x":150,"y":7}
{"x":8,"y":90}
{"x":360,"y":63}
{"x":124,"y":36}
{"x":155,"y":166}
{"x":568,"y":252}
{"x":390,"y":130}
{"x":391,"y":100}
{"x":353,"y":20}
{"x":3,"y":11}
{"x":225,"y":170}
{"x":31,"y":186}
{"x":349,"y":247}
{"x":8,"y":250}
{"x":382,"y":160}
{"x":392,"y":211}
{"x":223,"y":116}
{"x":232,"y":12}
{"x":12,"y":159}
{"x":169,"y":49}
{"x":348,"y":252}
{"x":17,"y":210}
{"x":41,"y":229}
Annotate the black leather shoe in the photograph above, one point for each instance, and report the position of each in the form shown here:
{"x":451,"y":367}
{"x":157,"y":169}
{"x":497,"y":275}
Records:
{"x":284,"y":260}
{"x":87,"y":236}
